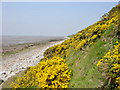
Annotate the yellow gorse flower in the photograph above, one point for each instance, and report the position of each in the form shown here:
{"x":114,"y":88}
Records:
{"x":49,"y":73}
{"x":112,"y":59}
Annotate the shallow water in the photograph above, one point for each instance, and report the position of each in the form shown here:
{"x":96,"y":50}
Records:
{"x":11,"y":40}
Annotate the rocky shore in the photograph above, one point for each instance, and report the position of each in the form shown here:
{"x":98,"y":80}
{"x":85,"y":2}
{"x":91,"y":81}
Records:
{"x":15,"y":63}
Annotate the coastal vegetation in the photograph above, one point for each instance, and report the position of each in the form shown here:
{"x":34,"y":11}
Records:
{"x":88,"y":59}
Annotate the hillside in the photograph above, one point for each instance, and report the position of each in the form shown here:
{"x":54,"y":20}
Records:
{"x":88,"y":59}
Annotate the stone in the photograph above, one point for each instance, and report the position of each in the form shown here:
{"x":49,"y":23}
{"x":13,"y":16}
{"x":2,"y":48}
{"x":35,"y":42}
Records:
{"x":1,"y":81}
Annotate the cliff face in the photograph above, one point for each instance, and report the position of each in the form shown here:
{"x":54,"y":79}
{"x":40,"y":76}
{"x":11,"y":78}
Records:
{"x":91,"y":58}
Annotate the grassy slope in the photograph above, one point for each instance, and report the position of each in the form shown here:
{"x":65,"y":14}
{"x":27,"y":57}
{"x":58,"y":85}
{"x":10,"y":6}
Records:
{"x":83,"y":63}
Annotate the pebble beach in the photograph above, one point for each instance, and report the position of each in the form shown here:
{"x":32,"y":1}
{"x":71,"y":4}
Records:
{"x":13,"y":64}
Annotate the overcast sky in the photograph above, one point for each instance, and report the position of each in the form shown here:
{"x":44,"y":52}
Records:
{"x":50,"y":18}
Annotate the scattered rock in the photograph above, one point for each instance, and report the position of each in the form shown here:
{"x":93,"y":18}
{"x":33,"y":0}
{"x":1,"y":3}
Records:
{"x":4,"y":73}
{"x":11,"y":72}
{"x":1,"y":81}
{"x":23,"y":68}
{"x":17,"y":63}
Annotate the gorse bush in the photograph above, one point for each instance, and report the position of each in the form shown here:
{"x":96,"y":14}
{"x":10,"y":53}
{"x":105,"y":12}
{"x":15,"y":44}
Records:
{"x":49,"y":73}
{"x":110,"y":64}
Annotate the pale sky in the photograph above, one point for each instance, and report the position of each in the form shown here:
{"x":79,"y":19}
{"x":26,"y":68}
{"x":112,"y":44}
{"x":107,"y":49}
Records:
{"x":59,"y":0}
{"x":50,"y":18}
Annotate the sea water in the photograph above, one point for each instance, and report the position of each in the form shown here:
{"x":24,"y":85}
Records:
{"x":10,"y":40}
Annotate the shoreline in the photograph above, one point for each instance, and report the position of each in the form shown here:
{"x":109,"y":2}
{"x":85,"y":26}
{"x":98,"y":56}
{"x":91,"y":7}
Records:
{"x":20,"y":61}
{"x":15,"y":48}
